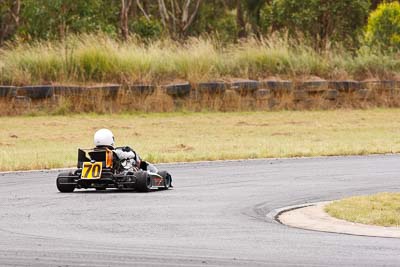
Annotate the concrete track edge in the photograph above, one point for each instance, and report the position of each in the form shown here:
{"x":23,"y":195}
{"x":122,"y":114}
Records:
{"x":310,"y":216}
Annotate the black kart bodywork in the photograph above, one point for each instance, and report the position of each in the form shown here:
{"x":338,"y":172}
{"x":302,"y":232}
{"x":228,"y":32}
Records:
{"x":101,"y":169}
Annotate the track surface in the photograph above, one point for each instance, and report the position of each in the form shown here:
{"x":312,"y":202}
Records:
{"x":215,"y":216}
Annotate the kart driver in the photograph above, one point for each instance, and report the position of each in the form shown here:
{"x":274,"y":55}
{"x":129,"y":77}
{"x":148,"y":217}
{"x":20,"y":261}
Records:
{"x":129,"y":159}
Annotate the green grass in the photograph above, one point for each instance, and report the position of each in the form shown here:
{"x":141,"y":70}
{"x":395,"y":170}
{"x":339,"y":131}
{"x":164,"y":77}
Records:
{"x":381,"y":209}
{"x":98,"y":58}
{"x":51,"y":141}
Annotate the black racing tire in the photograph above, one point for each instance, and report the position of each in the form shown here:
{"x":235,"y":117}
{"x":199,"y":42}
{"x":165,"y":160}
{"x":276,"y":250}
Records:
{"x":37,"y":91}
{"x":68,"y":90}
{"x":142,"y":89}
{"x":331,"y":94}
{"x":143,"y":181}
{"x":379,"y":85}
{"x":262,"y":93}
{"x":345,"y":86}
{"x":167,"y":179}
{"x":105,"y":90}
{"x":314,"y":86}
{"x":278,"y":87}
{"x":179,"y":90}
{"x":64,"y":188}
{"x":212,"y":88}
{"x":245,"y":87}
{"x":7,"y":91}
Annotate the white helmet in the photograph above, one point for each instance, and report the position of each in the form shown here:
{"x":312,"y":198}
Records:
{"x":104,"y":137}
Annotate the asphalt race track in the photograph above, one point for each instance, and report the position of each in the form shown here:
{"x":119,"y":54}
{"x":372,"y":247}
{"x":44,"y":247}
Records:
{"x":215,"y":216}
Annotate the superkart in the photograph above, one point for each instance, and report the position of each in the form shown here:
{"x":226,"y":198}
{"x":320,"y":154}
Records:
{"x":101,"y":169}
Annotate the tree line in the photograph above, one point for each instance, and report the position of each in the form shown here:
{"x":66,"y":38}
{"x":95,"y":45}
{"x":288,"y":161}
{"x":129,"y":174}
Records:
{"x":319,"y":21}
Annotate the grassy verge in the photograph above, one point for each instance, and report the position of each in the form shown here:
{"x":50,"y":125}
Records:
{"x":380,"y":209}
{"x":88,"y":58}
{"x":51,"y":141}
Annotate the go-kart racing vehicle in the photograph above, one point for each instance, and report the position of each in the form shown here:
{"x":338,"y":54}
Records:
{"x":100,"y":168}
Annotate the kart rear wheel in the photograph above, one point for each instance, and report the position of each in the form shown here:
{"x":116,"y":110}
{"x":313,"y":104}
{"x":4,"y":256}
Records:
{"x":143,"y":181}
{"x":64,"y":188}
{"x":167,"y":179}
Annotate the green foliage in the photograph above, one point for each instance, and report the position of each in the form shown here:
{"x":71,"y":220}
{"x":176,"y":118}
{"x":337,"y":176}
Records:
{"x":253,"y":10}
{"x":295,"y":15}
{"x":266,"y":18}
{"x":148,"y":29}
{"x":384,"y":26}
{"x":315,"y":21}
{"x":213,"y":18}
{"x":321,"y":20}
{"x":376,"y":3}
{"x":226,"y":28}
{"x":49,"y":19}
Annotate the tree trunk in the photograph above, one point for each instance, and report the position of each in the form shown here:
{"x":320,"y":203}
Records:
{"x":187,"y":20}
{"x":240,"y":20}
{"x":10,"y":21}
{"x":143,"y":10}
{"x":124,"y":18}
{"x":178,"y":16}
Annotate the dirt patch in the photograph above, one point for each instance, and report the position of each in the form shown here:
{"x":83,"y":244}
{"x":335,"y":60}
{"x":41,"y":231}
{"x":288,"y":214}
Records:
{"x":6,"y":144}
{"x":281,"y":134}
{"x":243,"y":123}
{"x":296,"y":123}
{"x":54,"y":123}
{"x":180,"y":147}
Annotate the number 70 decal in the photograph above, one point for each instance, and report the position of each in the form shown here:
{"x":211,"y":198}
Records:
{"x":91,"y":170}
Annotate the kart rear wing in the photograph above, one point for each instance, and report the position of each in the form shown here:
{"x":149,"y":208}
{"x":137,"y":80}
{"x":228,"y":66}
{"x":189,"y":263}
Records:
{"x":103,"y":155}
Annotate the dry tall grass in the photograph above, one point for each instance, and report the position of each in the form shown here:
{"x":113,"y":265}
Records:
{"x":98,"y":58}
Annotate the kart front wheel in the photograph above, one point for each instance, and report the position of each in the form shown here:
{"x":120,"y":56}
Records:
{"x":61,"y":186}
{"x":143,"y":181}
{"x":167,"y":179}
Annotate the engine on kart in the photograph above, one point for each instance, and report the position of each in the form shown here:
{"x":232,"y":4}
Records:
{"x":126,"y":161}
